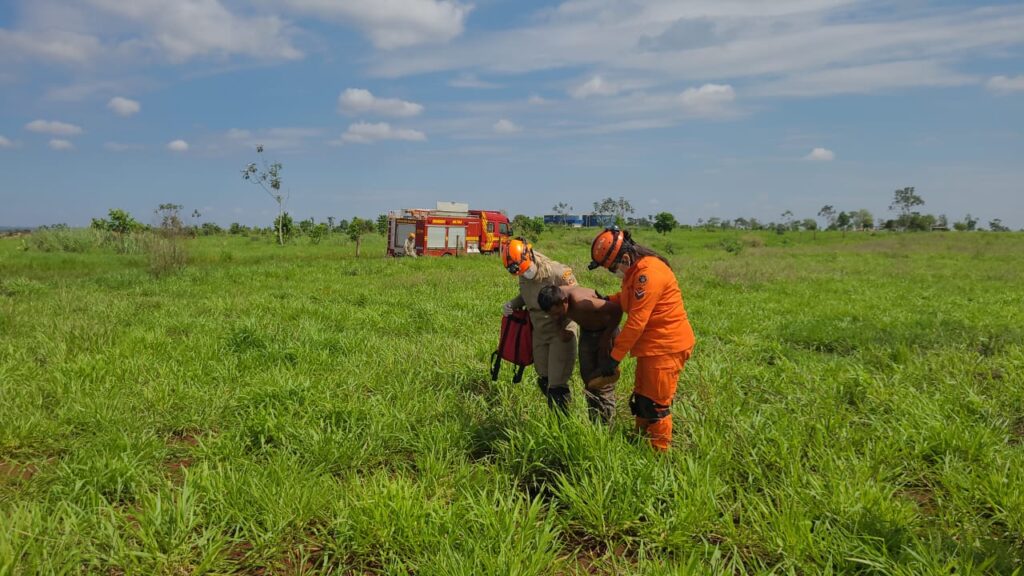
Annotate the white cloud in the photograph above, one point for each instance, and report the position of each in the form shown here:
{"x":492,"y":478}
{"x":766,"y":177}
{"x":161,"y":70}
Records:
{"x":708,"y":100}
{"x":536,"y":100}
{"x":471,"y":81}
{"x":83,"y":90}
{"x":177,"y":146}
{"x":50,"y":44}
{"x":394,"y":24}
{"x":5,"y":143}
{"x":359,"y":101}
{"x":1005,"y":84}
{"x":765,"y":42}
{"x":273,"y":139}
{"x":60,"y":144}
{"x":186,"y":29}
{"x":367,"y":133}
{"x":123,"y":106}
{"x":865,"y":79}
{"x":53,"y":127}
{"x":820,"y":155}
{"x":505,"y":126}
{"x":121,"y":147}
{"x":595,"y":86}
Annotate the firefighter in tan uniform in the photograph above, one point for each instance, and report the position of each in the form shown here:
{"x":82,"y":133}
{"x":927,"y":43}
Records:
{"x":554,"y":343}
{"x":410,"y":245}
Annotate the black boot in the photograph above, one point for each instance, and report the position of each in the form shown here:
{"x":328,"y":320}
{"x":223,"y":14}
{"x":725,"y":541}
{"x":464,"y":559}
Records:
{"x":559,"y":398}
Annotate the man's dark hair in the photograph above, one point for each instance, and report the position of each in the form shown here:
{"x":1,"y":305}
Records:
{"x":638,"y":251}
{"x":549,"y":296}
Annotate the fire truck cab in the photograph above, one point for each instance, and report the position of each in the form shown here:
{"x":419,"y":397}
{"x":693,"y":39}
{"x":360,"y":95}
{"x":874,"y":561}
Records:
{"x":449,"y":229}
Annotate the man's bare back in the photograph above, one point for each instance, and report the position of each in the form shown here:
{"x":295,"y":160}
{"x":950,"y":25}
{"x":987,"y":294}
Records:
{"x":589,"y":310}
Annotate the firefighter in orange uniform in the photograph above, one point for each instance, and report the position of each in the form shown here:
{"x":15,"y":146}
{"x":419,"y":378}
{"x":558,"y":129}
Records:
{"x":554,"y":343}
{"x":657,"y":331}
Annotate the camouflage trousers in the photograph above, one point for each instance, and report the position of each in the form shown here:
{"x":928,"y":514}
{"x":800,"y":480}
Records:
{"x":599,"y":391}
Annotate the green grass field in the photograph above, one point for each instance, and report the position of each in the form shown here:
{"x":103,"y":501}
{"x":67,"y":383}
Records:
{"x":854,"y":405}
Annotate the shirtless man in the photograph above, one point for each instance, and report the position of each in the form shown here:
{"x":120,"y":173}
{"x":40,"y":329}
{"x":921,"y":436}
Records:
{"x":598,"y":320}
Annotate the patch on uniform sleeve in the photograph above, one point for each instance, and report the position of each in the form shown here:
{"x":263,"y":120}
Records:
{"x":567,"y":277}
{"x":639,"y":293}
{"x":642,"y":279}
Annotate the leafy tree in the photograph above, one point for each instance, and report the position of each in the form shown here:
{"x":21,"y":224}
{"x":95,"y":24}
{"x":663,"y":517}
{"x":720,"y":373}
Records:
{"x":828,"y":212}
{"x":968,"y":224}
{"x":210,"y":229}
{"x":237,"y":228}
{"x":789,"y":222}
{"x":330,"y":223}
{"x":996,"y":225}
{"x":317,"y":233}
{"x":529,"y":228}
{"x":170,"y":218}
{"x":118,"y":221}
{"x":904,"y":200}
{"x":382,"y":224}
{"x":306,"y":226}
{"x":843,"y":221}
{"x":357,"y":228}
{"x":620,"y":208}
{"x":664,"y":222}
{"x":268,"y":177}
{"x":809,"y":224}
{"x":863,"y":220}
{"x":284,"y":225}
{"x":741,"y":223}
{"x":916,"y":221}
{"x":562,"y":210}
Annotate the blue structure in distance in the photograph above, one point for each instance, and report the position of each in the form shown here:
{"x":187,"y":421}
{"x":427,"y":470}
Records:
{"x":584,"y":221}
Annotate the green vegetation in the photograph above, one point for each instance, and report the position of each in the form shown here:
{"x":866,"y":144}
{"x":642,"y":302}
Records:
{"x":855,"y":405}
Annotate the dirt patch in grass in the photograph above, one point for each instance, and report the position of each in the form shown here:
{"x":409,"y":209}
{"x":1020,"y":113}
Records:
{"x":16,"y":471}
{"x":185,"y":438}
{"x":591,"y":556}
{"x":922,"y":496}
{"x":181,"y":442}
{"x":1017,"y":432}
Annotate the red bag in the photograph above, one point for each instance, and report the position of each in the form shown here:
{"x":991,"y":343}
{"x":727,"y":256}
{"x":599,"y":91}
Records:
{"x":515,"y":344}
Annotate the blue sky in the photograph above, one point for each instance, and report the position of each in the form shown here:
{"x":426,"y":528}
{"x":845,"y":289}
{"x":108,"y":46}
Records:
{"x":702,"y":108}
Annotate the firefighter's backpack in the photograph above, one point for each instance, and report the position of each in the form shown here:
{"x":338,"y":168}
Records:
{"x":515,"y":344}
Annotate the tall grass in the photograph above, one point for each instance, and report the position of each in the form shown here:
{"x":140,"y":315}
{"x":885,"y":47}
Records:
{"x":855,"y":405}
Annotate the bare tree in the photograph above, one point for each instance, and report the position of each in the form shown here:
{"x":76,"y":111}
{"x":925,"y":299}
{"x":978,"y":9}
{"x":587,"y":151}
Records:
{"x":268,"y":177}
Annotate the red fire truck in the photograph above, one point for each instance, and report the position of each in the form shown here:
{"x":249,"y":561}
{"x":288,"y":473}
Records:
{"x":451,"y":228}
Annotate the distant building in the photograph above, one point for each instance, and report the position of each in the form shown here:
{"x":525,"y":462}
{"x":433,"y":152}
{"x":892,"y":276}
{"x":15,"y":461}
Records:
{"x":584,"y":221}
{"x":563,"y":220}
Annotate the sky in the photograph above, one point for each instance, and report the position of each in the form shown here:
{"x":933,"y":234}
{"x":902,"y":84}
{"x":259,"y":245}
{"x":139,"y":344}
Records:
{"x":700,"y":108}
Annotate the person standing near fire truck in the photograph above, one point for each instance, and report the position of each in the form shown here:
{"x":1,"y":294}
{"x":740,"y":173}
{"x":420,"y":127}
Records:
{"x":657,"y":331}
{"x":554,"y":343}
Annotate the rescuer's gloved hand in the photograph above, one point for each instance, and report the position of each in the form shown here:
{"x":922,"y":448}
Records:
{"x":608,"y":366}
{"x":506,"y":308}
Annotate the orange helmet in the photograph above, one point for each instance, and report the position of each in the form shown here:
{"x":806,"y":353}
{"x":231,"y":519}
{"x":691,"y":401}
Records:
{"x":517,"y":256}
{"x":607,"y":247}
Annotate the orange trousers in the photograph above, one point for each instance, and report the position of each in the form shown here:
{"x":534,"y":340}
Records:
{"x":656,"y":378}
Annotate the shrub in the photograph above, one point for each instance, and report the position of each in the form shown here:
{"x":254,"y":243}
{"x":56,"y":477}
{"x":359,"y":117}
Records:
{"x":731,"y":245}
{"x":61,"y":238}
{"x":165,"y":253}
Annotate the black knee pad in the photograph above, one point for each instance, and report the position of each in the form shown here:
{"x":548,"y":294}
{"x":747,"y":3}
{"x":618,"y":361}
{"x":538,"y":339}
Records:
{"x":643,"y":407}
